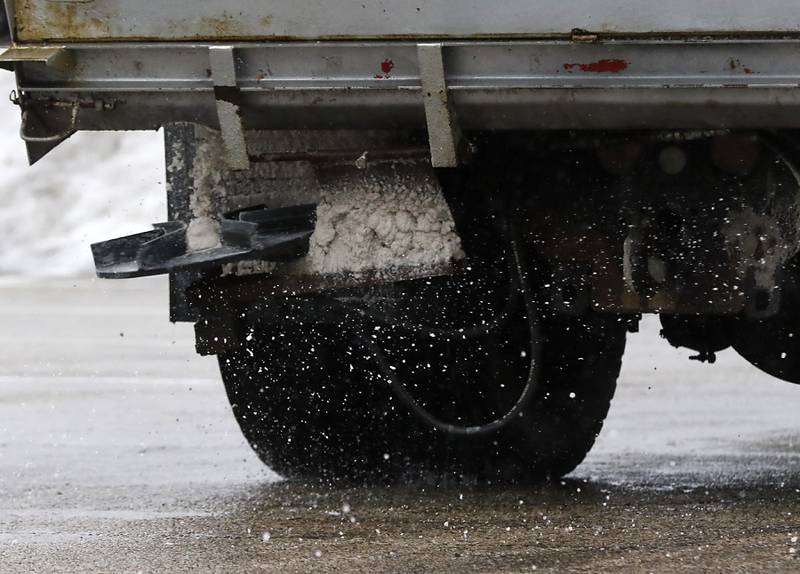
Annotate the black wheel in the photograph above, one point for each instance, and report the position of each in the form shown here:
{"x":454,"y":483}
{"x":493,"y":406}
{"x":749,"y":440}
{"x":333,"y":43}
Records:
{"x":311,"y":404}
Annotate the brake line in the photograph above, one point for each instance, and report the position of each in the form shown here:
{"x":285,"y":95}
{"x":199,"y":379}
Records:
{"x":528,"y":392}
{"x":471,"y":332}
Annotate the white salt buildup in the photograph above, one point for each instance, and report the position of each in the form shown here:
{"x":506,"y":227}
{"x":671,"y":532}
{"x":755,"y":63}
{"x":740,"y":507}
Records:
{"x":392,"y":215}
{"x":204,"y":228}
{"x":248,"y":267}
{"x":203,"y":233}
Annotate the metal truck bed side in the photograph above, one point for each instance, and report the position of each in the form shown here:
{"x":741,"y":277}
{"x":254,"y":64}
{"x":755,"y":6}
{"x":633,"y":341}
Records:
{"x":225,"y":20}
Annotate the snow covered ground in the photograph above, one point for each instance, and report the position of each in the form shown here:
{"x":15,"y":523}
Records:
{"x":94,"y":186}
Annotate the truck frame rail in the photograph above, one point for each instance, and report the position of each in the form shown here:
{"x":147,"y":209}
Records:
{"x":486,"y":85}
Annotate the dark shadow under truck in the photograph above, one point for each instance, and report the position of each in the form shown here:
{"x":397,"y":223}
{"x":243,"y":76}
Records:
{"x":416,"y":239}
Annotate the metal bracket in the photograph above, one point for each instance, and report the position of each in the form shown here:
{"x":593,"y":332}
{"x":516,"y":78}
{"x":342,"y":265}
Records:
{"x":444,"y":133}
{"x":25,"y":135}
{"x":45,"y":125}
{"x":228,"y":96}
{"x":58,"y":57}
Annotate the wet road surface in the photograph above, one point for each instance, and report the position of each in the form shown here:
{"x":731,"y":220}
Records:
{"x":118,"y":454}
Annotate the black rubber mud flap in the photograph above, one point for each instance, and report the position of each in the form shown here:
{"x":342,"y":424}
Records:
{"x":5,"y":33}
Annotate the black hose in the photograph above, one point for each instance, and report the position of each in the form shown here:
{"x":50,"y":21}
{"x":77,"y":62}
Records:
{"x":778,"y":149}
{"x":455,"y":332}
{"x":528,"y":392}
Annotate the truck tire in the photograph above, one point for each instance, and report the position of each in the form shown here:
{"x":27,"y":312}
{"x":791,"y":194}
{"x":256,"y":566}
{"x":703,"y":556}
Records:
{"x":311,"y":406}
{"x":773,"y":345}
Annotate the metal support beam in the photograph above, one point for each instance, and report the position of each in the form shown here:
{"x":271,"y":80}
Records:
{"x":228,"y":96}
{"x":55,"y":57}
{"x":444,"y":133}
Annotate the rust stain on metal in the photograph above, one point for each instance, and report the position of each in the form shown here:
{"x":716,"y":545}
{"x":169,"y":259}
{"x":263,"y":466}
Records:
{"x":60,"y":19}
{"x":86,"y":20}
{"x":31,"y":27}
{"x":223,"y":25}
{"x":736,"y":64}
{"x":605,"y":66}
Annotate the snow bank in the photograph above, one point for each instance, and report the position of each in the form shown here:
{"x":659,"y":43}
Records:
{"x":94,"y":186}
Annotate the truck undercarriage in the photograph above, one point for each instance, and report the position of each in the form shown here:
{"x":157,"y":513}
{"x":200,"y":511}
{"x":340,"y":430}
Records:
{"x":422,"y":254}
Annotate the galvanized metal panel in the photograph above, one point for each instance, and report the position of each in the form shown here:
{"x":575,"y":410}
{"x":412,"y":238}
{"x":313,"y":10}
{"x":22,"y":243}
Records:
{"x":67,"y":20}
{"x":332,"y":67}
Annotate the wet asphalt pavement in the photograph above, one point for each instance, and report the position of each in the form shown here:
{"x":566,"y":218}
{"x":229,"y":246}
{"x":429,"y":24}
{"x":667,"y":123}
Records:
{"x":118,"y":453}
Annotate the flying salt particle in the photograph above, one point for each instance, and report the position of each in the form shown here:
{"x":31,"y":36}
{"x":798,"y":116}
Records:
{"x":345,"y":508}
{"x":386,"y":456}
{"x":318,"y":553}
{"x":572,"y":395}
{"x":783,"y":355}
{"x":265,"y":537}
